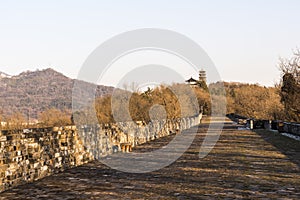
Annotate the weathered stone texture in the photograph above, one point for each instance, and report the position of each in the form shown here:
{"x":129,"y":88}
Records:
{"x":293,"y":128}
{"x":30,"y":154}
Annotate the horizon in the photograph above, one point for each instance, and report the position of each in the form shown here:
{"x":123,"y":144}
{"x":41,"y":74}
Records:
{"x":43,"y":69}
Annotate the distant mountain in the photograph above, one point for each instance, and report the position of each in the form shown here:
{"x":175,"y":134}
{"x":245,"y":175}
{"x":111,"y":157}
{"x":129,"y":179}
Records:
{"x":4,"y":75}
{"x":32,"y":92}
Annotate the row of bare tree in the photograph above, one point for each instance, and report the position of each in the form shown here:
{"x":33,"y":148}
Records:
{"x":280,"y":102}
{"x":48,"y":118}
{"x":252,"y":100}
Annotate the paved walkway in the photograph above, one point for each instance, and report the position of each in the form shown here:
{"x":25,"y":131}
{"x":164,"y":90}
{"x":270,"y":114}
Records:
{"x":243,"y":164}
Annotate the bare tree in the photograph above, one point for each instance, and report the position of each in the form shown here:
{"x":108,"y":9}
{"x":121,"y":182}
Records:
{"x":290,"y":86}
{"x":291,"y":66}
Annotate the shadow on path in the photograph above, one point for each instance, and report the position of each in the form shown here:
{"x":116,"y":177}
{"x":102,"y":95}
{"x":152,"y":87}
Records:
{"x":286,"y":145}
{"x":242,"y":165}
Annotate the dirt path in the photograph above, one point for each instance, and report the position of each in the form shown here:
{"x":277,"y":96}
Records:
{"x":243,"y":164}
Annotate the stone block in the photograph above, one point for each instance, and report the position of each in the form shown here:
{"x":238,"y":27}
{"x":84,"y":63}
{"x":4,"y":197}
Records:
{"x":55,"y":129}
{"x":32,"y":154}
{"x":3,"y":139}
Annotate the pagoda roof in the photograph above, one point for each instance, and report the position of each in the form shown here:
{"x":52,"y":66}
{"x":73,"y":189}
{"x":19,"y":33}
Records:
{"x":191,"y":80}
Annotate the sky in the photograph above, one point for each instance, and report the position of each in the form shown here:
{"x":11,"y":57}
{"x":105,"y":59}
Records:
{"x":243,"y":38}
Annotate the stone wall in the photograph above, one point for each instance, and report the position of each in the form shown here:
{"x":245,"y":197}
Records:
{"x":293,"y":128}
{"x":106,"y":139}
{"x":280,"y":126}
{"x":30,"y":154}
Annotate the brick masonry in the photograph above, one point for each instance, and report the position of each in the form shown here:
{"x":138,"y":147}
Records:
{"x":31,"y":154}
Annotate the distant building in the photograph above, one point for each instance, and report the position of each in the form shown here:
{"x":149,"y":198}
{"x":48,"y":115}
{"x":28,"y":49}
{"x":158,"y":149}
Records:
{"x":202,"y":79}
{"x":202,"y":76}
{"x":192,"y":82}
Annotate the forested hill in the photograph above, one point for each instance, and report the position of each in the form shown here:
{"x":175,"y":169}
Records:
{"x":33,"y":92}
{"x":250,"y":100}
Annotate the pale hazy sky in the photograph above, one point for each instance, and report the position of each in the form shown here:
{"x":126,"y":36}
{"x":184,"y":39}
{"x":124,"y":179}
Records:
{"x":244,"y":38}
